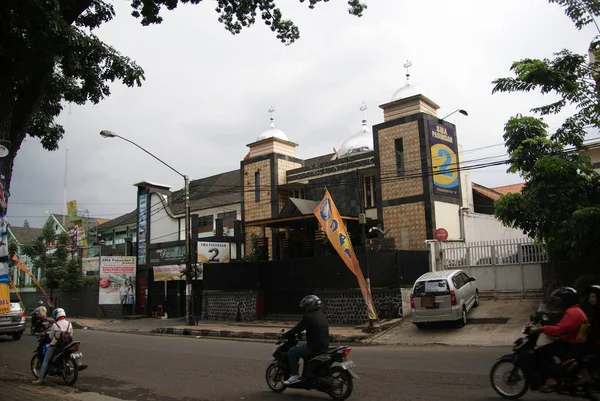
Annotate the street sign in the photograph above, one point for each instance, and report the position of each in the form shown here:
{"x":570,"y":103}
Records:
{"x":441,"y":234}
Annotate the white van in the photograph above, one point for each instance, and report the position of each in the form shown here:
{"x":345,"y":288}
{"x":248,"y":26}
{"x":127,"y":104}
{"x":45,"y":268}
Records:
{"x":446,"y":295}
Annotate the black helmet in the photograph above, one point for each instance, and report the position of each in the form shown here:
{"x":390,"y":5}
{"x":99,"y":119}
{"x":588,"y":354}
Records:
{"x":310,"y":303}
{"x":567,"y":295}
{"x":40,"y":303}
{"x":594,"y":289}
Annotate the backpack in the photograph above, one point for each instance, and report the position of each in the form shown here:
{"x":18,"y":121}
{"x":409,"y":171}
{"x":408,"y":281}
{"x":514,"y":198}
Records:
{"x":64,"y":337}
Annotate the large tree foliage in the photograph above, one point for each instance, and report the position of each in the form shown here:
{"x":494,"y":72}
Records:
{"x":50,"y":55}
{"x":560,"y":202}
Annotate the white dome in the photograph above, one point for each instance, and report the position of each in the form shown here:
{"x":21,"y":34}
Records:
{"x":272,"y":132}
{"x":407,"y":91}
{"x":357,"y":143}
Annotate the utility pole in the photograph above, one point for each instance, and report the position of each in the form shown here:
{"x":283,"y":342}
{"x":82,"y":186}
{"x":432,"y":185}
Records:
{"x":362,"y":220}
{"x":189,"y":304}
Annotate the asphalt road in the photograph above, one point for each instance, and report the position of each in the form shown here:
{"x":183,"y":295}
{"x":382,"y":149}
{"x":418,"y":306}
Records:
{"x":139,"y":367}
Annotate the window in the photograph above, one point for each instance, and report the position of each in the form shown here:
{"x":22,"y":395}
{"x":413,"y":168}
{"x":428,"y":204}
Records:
{"x":228,"y":218}
{"x":596,"y":165}
{"x":257,"y":186}
{"x":432,"y":287}
{"x":205,"y":224}
{"x":400,"y":157}
{"x":465,"y":278}
{"x":369,"y":191}
{"x":297,"y":193}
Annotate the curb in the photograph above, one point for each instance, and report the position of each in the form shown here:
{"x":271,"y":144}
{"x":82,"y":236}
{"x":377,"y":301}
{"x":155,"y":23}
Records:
{"x":246,"y":334}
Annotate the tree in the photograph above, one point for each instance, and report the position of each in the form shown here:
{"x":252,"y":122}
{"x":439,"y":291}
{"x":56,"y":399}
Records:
{"x":26,"y":223}
{"x":560,"y":202}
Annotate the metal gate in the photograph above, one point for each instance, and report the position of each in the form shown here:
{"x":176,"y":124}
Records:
{"x":502,"y":268}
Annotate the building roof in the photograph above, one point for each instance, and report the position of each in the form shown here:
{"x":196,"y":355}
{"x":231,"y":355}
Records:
{"x":508,"y":189}
{"x":485,"y":191}
{"x":69,"y":224}
{"x":25,"y":235}
{"x":214,"y":191}
{"x":318,"y":159}
{"x":124,"y":220}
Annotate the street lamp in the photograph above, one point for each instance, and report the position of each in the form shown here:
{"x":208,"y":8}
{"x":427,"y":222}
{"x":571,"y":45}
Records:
{"x":188,"y":278}
{"x":461,"y":111}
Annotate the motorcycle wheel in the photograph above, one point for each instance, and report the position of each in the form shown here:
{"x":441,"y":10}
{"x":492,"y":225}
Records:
{"x":343,"y":384}
{"x":506,"y":370}
{"x":70,"y":372}
{"x":275,"y":377}
{"x":36,"y":365}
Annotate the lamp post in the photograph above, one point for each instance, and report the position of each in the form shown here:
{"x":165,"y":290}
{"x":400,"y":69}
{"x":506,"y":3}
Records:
{"x":461,"y":111}
{"x":188,"y":263}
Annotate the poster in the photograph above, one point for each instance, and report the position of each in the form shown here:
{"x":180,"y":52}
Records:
{"x":332,"y":223}
{"x":72,"y":211}
{"x":4,"y":281}
{"x":172,"y":272}
{"x":142,"y":227}
{"x":117,"y":280}
{"x":444,"y":159}
{"x":214,"y":252}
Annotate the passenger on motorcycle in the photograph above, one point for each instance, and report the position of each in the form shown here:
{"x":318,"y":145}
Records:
{"x":61,"y":333}
{"x":592,"y":345}
{"x":40,"y":311}
{"x":566,"y":330}
{"x":317,"y":335}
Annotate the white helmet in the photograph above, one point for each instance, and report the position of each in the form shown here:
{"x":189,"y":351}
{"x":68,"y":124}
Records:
{"x":58,"y":313}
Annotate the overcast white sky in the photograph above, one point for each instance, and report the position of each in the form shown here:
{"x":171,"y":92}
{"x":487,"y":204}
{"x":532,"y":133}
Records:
{"x":207,"y":93}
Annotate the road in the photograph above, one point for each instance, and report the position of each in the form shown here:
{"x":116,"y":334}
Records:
{"x":169,"y":368}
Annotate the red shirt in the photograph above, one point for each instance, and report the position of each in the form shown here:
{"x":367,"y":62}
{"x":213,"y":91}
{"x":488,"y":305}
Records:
{"x":567,"y":329}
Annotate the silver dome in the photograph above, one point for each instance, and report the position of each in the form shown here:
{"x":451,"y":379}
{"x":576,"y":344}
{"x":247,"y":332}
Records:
{"x":272,"y":132}
{"x":407,"y":91}
{"x":357,"y":143}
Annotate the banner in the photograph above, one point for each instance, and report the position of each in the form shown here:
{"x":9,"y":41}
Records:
{"x":23,"y":267}
{"x":117,"y":280}
{"x":173,"y":272}
{"x":72,"y":211}
{"x":213,"y":252}
{"x":332,"y":223}
{"x":444,"y":161}
{"x":142,"y":227}
{"x":4,"y":282}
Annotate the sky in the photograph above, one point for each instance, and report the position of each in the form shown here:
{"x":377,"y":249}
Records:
{"x":207,"y":92}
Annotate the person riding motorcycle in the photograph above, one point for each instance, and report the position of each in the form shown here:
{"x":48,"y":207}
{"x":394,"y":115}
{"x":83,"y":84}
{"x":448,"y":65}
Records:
{"x":40,"y":311}
{"x":592,"y":344}
{"x":566,"y":330}
{"x":317,"y":336}
{"x":61,"y":325}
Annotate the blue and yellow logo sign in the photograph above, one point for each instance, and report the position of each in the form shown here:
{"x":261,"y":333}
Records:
{"x":444,"y":160}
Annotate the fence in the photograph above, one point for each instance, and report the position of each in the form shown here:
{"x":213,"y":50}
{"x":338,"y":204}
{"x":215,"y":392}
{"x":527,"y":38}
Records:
{"x":503,"y":267}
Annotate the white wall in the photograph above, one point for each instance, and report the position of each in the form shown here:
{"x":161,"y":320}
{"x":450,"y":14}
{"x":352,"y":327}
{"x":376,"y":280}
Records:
{"x":484,"y":227}
{"x":90,"y":265}
{"x":446,"y":216}
{"x":214,"y":211}
{"x":163,"y":228}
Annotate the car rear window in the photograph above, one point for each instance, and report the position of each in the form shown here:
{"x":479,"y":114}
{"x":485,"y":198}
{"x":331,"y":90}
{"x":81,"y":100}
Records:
{"x":433,"y":287}
{"x":15,"y":306}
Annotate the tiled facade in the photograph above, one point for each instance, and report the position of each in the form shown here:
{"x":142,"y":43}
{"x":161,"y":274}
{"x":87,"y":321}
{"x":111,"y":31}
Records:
{"x":348,"y":307}
{"x":229,"y":306}
{"x":409,"y":217}
{"x":392,"y":185}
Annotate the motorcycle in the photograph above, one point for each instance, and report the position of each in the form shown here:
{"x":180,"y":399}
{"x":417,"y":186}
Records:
{"x":38,"y":325}
{"x":520,"y":371}
{"x":66,"y":362}
{"x":329,"y":372}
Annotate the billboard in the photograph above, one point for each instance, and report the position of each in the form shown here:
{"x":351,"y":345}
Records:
{"x":142,"y":227}
{"x":173,"y":272}
{"x":4,"y":281}
{"x":444,"y":159}
{"x":72,"y":211}
{"x":214,"y":252}
{"x":117,"y":280}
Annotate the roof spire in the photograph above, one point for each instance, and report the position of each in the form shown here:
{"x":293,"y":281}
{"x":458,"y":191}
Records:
{"x":272,"y":113}
{"x":363,"y":107}
{"x":407,"y":65}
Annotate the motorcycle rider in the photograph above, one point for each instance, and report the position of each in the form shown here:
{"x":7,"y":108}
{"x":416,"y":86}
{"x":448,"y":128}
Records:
{"x":592,"y":345}
{"x":317,"y":336}
{"x":566,"y":330}
{"x":61,"y":325}
{"x":41,"y":311}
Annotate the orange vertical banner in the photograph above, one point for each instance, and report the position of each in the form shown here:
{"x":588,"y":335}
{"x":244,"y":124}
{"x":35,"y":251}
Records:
{"x":332,"y":223}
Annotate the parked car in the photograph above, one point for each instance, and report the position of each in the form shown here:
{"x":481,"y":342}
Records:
{"x":440,"y":296}
{"x":13,"y":322}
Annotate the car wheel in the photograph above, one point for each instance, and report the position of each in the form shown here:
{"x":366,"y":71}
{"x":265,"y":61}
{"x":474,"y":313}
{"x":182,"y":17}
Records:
{"x":462,"y":322}
{"x":17,"y":336}
{"x":420,"y":325}
{"x":476,"y":303}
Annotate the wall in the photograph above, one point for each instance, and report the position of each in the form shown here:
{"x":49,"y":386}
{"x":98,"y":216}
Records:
{"x":446,"y":216}
{"x":594,"y":155}
{"x":348,"y":306}
{"x":163,"y":228}
{"x":82,"y":303}
{"x":484,"y":227}
{"x":257,"y":210}
{"x":217,"y":305}
{"x":90,"y":265}
{"x":215,"y":211}
{"x":406,"y":221}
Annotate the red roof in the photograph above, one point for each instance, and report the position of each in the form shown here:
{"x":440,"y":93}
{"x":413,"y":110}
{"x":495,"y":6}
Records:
{"x":510,"y":189}
{"x":485,"y":191}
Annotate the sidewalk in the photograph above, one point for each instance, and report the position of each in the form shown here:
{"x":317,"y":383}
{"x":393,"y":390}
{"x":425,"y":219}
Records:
{"x":264,"y":330}
{"x":493,"y":323}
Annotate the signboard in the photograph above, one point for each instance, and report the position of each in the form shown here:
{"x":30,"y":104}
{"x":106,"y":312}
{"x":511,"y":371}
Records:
{"x":72,"y":211}
{"x":214,"y":252}
{"x":441,"y":234}
{"x":142,"y":227}
{"x":4,"y":281}
{"x":172,"y":272}
{"x":117,"y":280}
{"x":169,"y":255}
{"x":444,"y":161}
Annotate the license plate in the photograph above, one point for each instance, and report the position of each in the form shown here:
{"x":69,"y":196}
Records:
{"x":76,"y":355}
{"x":5,"y":318}
{"x":349,"y":365}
